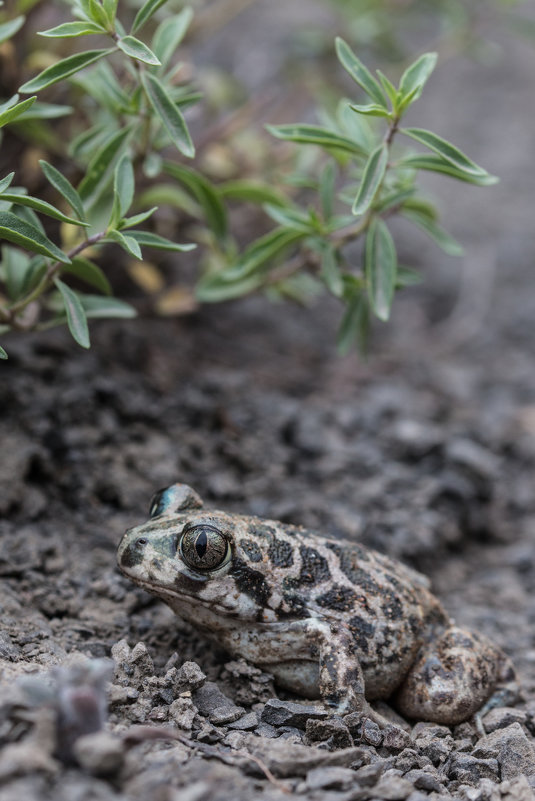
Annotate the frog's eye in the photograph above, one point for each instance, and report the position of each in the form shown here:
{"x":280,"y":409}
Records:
{"x":203,"y":547}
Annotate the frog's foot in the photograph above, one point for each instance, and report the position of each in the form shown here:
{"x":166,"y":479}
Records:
{"x":452,"y":677}
{"x":341,"y":682}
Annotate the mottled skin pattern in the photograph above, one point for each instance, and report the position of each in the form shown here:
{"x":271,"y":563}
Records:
{"x":327,"y":618}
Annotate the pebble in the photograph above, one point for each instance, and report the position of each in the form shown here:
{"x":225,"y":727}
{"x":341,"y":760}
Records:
{"x":245,"y":723}
{"x":470,"y":770}
{"x":189,"y":676}
{"x":101,"y":753}
{"x":286,"y":713}
{"x":369,"y":775}
{"x":501,"y":717}
{"x":333,"y":731}
{"x":330,"y":778}
{"x":371,"y":733}
{"x":392,"y":788}
{"x":209,"y":697}
{"x":424,"y":780}
{"x":511,"y":747}
{"x":222,"y":715}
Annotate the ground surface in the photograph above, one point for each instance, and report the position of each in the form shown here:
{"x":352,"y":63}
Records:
{"x":426,"y":451}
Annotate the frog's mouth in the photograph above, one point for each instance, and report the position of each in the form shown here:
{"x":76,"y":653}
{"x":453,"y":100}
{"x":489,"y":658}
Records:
{"x":185,"y":604}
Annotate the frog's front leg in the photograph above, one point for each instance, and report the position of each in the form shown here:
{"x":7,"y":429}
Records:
{"x":452,"y":677}
{"x":341,"y":681}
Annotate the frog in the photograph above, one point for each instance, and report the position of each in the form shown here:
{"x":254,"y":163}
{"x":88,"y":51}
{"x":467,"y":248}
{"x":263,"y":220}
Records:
{"x":328,"y":618}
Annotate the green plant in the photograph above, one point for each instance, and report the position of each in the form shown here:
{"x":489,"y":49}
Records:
{"x":357,"y":180}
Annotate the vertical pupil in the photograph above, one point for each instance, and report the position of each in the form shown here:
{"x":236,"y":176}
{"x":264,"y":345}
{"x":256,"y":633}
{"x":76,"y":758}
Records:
{"x":201,"y":544}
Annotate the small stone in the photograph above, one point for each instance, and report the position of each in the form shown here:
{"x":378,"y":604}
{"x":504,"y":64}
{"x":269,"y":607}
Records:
{"x":119,"y":695}
{"x":189,"y":676}
{"x":288,"y":759}
{"x":470,"y":770}
{"x":518,"y":789}
{"x":245,"y":723}
{"x":371,"y":733}
{"x":395,"y":738}
{"x":514,"y":751}
{"x":392,"y":788}
{"x":209,"y":697}
{"x":501,"y":717}
{"x":286,"y":713}
{"x":183,"y":712}
{"x":226,"y":714}
{"x":369,"y":775}
{"x":410,"y":759}
{"x":424,"y":780}
{"x":330,"y":778}
{"x":100,"y":754}
{"x":334,"y":731}
{"x":266,"y":730}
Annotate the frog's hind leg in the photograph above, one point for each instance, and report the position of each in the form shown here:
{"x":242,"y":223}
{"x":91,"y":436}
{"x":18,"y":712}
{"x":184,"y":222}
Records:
{"x":452,"y":677}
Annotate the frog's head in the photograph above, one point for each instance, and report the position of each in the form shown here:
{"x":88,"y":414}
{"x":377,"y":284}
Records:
{"x":194,"y":560}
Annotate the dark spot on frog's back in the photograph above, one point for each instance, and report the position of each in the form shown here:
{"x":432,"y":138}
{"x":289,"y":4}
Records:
{"x":340,"y":598}
{"x":251,"y":582}
{"x":261,"y":529}
{"x":314,"y":566}
{"x":362,"y":630}
{"x":349,"y":559}
{"x":280,"y":553}
{"x":251,"y":550}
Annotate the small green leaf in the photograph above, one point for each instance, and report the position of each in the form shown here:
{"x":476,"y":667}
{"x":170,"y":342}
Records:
{"x":99,"y":169}
{"x":149,"y":240}
{"x":145,"y":13}
{"x":261,"y":252}
{"x":330,"y":270}
{"x":393,"y":199}
{"x":65,"y":189}
{"x":414,"y":78}
{"x":291,"y":218}
{"x":355,"y":323}
{"x":16,"y":265}
{"x":206,"y":195}
{"x":444,"y":149}
{"x":251,"y":191}
{"x":63,"y":69}
{"x":6,"y":182}
{"x":138,"y":50}
{"x":41,"y":206}
{"x":136,"y":219}
{"x":371,"y":180}
{"x":3,"y":354}
{"x":15,"y":111}
{"x":110,"y":7}
{"x":444,"y":240}
{"x":388,"y":86}
{"x":8,"y":29}
{"x":215,"y":288}
{"x":169,"y":114}
{"x":326,"y":190}
{"x":381,"y":267}
{"x":169,"y":34}
{"x":438,"y":164}
{"x":98,"y":14}
{"x":44,"y":111}
{"x":407,"y":277}
{"x":127,"y":242}
{"x":372,"y":110}
{"x":29,"y":237}
{"x":315,"y":135}
{"x":70,"y":30}
{"x":76,"y":317}
{"x":98,"y":307}
{"x":90,"y":273}
{"x":359,"y":72}
{"x":123,"y":187}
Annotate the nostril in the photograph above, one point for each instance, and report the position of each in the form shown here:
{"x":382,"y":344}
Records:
{"x":141,"y":541}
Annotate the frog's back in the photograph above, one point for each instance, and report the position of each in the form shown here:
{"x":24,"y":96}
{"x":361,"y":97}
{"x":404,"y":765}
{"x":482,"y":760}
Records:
{"x":385,"y":605}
